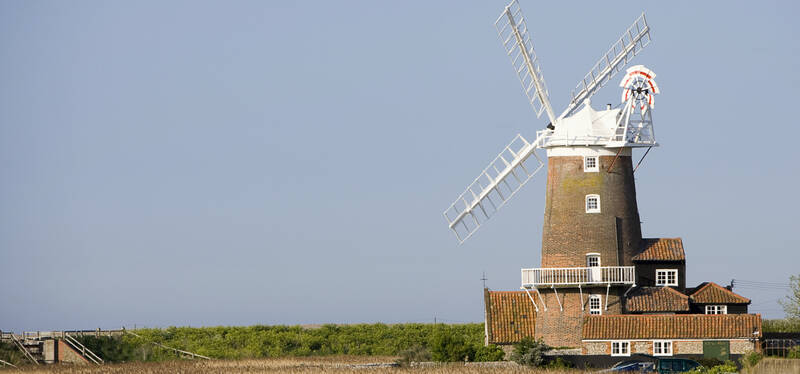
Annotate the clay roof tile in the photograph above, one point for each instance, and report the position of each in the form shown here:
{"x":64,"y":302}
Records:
{"x":661,"y":249}
{"x":657,"y":299}
{"x":510,"y":316}
{"x":675,"y":326}
{"x":712,"y":293}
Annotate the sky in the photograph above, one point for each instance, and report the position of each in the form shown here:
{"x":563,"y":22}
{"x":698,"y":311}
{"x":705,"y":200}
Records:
{"x":204,"y":163}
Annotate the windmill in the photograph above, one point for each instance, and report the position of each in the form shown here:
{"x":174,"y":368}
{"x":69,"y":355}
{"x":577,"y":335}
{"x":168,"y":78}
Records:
{"x":616,"y":130}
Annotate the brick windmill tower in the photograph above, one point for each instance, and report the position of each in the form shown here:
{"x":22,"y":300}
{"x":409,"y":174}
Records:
{"x":591,"y":223}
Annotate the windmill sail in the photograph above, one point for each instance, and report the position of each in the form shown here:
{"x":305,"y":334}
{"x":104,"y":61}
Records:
{"x":496,"y":184}
{"x":513,"y":31}
{"x":632,"y":41}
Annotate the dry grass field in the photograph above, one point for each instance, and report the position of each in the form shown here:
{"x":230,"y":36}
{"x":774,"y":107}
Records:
{"x":332,"y":364}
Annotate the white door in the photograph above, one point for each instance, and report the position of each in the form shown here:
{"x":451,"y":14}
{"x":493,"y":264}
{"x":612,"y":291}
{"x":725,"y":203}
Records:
{"x":595,"y":272}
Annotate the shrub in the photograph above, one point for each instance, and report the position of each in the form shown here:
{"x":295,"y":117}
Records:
{"x":281,"y":341}
{"x":10,"y":353}
{"x":490,"y":352}
{"x":725,"y":368}
{"x":529,"y":352}
{"x":416,"y":353}
{"x":751,"y":359}
{"x":559,"y":364}
{"x":794,"y":353}
{"x":449,"y":346}
{"x":709,"y":361}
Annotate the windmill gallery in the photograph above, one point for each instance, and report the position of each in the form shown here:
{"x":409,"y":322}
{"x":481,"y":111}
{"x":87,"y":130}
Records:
{"x":602,"y":290}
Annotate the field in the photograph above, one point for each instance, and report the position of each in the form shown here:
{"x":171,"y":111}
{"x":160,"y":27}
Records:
{"x":304,"y":365}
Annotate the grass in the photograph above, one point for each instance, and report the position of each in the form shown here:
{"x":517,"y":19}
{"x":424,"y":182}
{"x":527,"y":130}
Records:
{"x":774,"y":366}
{"x":300,"y":365}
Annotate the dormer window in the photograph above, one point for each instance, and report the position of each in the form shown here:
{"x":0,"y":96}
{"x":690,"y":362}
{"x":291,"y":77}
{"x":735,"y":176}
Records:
{"x":667,"y":277}
{"x":592,"y":203}
{"x":590,"y":164}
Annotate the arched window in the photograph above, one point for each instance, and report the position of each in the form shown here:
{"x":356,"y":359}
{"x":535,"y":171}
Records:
{"x":592,"y":259}
{"x":592,"y":203}
{"x":590,"y":164}
{"x":595,"y":305}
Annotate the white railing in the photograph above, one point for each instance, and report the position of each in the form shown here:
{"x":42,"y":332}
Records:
{"x":578,"y":276}
{"x":549,"y":139}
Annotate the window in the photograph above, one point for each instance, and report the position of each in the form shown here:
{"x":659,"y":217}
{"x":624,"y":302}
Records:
{"x":592,"y":260}
{"x":662,"y":348}
{"x":666,"y":277}
{"x":590,"y":164}
{"x":716,"y":309}
{"x":592,"y":203}
{"x":621,"y":348}
{"x":595,"y":305}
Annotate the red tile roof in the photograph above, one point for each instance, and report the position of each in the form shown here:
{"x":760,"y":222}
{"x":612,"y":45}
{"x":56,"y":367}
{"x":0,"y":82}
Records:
{"x":661,"y":249}
{"x":510,"y":316}
{"x":675,"y":326}
{"x":712,"y":293}
{"x":657,"y":299}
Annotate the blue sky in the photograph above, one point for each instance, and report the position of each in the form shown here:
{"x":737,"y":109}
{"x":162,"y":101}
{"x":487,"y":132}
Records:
{"x":234,"y":163}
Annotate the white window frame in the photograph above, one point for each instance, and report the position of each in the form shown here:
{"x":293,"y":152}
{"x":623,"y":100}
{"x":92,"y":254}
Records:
{"x":586,"y":204}
{"x":621,"y":344}
{"x":590,"y":256}
{"x":666,"y":277}
{"x":591,"y":169}
{"x":599,"y":310}
{"x":716,"y":309}
{"x":662,"y":347}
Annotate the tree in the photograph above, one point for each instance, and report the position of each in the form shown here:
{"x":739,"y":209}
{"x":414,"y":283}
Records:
{"x":792,"y":303}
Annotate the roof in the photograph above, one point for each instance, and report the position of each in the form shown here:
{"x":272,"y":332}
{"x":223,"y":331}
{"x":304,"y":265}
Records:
{"x":674,"y":326}
{"x":510,"y":316}
{"x":590,"y":126}
{"x":661,"y":249}
{"x":712,"y":293}
{"x":657,"y":299}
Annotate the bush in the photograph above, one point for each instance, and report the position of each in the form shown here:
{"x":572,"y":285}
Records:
{"x":794,"y":353}
{"x":416,"y":353}
{"x":449,"y":346}
{"x":11,"y":354}
{"x":709,"y":362}
{"x":751,"y":359}
{"x":281,"y":341}
{"x":559,"y":364}
{"x":487,"y":353}
{"x":727,"y":367}
{"x":529,"y":352}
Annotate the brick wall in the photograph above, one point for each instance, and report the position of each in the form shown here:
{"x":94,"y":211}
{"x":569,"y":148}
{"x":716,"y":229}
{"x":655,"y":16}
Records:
{"x":67,"y":354}
{"x":569,"y":232}
{"x":563,"y":328}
